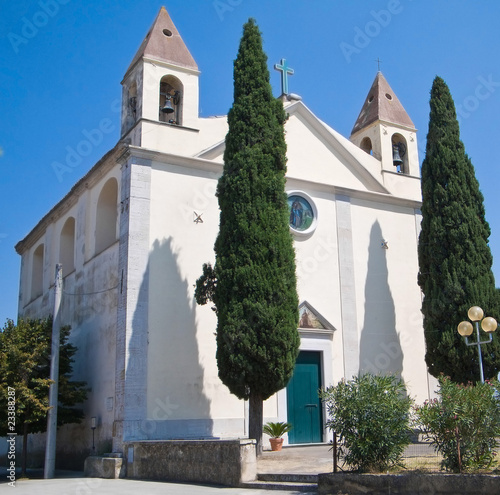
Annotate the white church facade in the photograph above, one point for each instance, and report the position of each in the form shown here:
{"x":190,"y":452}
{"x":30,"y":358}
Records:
{"x":134,"y":232}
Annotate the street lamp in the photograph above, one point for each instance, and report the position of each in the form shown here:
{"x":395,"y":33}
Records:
{"x":488,"y":324}
{"x":93,"y":426}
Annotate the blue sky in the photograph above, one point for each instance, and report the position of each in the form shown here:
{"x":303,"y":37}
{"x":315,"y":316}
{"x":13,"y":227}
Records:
{"x":63,"y":60}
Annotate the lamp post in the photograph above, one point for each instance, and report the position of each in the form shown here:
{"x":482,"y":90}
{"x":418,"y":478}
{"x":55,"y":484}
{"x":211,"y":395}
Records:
{"x":465,"y":329}
{"x":93,"y":426}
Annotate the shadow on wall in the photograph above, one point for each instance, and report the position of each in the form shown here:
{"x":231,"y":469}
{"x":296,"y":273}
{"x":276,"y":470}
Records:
{"x":380,"y":348}
{"x":89,"y":305}
{"x":177,"y":406}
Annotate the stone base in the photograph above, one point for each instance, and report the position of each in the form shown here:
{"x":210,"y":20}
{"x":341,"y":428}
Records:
{"x":108,"y":466}
{"x":222,"y":462}
{"x":408,"y":484}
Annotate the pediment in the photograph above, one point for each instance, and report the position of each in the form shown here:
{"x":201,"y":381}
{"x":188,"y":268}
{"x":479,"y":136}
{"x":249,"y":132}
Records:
{"x":318,"y":153}
{"x":311,"y":320}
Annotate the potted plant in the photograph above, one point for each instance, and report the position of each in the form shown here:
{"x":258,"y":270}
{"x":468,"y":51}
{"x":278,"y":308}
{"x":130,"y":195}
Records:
{"x":276,"y":431}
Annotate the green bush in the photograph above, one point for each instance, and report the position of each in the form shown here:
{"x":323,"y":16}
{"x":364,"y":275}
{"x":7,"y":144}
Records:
{"x":463,"y":423}
{"x":371,"y":416}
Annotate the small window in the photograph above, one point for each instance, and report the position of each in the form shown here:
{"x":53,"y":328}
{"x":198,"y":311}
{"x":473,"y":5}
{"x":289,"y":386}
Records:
{"x":170,"y":100}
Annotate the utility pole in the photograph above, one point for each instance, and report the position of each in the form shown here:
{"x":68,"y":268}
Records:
{"x":50,"y":448}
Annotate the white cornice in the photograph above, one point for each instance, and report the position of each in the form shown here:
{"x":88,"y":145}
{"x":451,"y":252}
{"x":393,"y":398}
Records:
{"x":170,"y":158}
{"x":377,"y":197}
{"x":160,"y":63}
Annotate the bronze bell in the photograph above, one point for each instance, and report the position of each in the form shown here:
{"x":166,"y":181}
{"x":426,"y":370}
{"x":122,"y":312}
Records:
{"x":168,"y":108}
{"x":398,"y":152}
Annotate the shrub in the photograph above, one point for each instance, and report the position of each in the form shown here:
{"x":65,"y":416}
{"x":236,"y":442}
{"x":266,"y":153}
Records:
{"x":462,"y":424}
{"x":371,"y":416}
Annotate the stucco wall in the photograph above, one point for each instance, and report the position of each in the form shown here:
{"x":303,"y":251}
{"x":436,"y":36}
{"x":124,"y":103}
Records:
{"x":89,"y":306}
{"x":183,"y":386}
{"x":389,"y":318}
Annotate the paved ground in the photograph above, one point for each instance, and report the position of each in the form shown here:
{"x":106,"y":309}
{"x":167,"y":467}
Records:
{"x":312,"y":459}
{"x":309,"y":459}
{"x":292,"y":460}
{"x":94,"y":486}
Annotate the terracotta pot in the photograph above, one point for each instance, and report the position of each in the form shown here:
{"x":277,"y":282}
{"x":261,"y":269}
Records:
{"x":276,"y":444}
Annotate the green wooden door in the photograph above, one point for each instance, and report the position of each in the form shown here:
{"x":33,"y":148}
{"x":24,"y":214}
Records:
{"x":303,"y":404}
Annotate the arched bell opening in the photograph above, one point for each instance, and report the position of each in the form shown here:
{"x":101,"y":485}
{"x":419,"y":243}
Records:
{"x":132,"y":101}
{"x":399,"y":154}
{"x":170,"y":100}
{"x":129,"y":106}
{"x":366,"y":145}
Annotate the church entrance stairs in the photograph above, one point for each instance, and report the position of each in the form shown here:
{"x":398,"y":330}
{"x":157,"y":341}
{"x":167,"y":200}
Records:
{"x":293,"y":468}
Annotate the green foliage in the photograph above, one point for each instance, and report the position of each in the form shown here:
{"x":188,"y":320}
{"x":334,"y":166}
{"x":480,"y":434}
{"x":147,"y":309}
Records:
{"x":454,"y":256}
{"x":205,"y":285}
{"x":463,"y":423}
{"x":25,"y":366}
{"x":253,"y":283}
{"x":371,"y":416}
{"x":276,"y":430}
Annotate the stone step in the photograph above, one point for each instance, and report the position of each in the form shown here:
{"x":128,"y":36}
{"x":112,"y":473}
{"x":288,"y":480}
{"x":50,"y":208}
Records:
{"x":116,"y":455}
{"x":294,"y":478}
{"x":282,"y":485}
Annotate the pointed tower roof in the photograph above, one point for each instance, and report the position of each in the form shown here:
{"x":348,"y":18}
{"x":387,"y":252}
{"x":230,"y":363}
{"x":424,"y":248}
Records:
{"x":381,"y":104}
{"x":164,"y":43}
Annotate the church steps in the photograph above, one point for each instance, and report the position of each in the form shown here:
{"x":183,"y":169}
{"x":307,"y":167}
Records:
{"x":282,"y":485}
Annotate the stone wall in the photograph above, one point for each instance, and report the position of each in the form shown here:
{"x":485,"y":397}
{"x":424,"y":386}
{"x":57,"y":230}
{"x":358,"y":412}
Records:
{"x":408,"y":484}
{"x":224,"y":462}
{"x":108,"y":466}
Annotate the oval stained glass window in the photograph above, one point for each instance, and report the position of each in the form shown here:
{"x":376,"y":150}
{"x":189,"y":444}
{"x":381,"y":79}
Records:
{"x":301,"y":213}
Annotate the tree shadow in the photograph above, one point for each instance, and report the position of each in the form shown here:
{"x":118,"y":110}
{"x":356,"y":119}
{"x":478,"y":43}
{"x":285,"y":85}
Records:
{"x":173,"y":403}
{"x":380,"y":347}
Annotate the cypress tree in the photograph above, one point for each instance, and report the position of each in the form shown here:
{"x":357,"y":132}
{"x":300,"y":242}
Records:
{"x":454,"y":256}
{"x":253,"y":283}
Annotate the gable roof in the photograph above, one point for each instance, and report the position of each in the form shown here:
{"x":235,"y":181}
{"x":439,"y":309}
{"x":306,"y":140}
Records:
{"x":381,"y":104}
{"x":164,"y":43}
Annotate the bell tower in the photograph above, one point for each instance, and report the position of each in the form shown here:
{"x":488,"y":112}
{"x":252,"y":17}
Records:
{"x":160,"y":90}
{"x":384,"y":130}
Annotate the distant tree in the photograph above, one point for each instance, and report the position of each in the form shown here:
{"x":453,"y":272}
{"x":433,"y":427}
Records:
{"x":253,"y":283}
{"x":454,"y":256}
{"x":25,"y":367}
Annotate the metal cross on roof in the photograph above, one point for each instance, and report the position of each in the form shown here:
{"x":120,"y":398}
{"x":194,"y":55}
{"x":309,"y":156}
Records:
{"x":285,"y":72}
{"x":378,"y":63}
